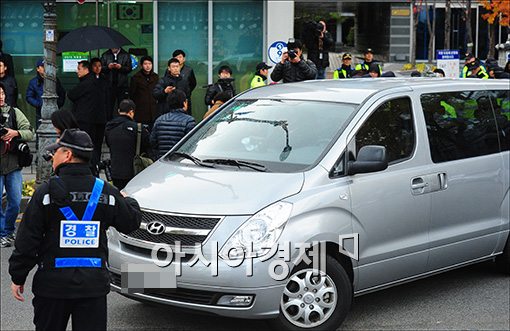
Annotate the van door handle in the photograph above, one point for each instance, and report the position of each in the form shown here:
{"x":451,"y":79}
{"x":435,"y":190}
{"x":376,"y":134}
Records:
{"x":443,"y":184}
{"x":419,"y":186}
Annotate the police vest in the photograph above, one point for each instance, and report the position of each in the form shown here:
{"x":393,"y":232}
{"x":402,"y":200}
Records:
{"x":449,"y":110}
{"x":257,"y":81}
{"x":481,"y":74}
{"x":366,"y":67}
{"x":75,"y":242}
{"x":341,"y":73}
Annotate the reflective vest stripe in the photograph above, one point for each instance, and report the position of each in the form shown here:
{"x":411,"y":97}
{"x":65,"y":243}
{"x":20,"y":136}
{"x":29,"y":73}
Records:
{"x":77,"y":262}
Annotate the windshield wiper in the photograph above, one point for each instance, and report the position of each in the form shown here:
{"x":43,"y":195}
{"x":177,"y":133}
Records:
{"x":238,"y":163}
{"x":192,"y":158}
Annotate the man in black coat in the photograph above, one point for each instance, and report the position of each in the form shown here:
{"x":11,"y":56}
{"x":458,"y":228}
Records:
{"x":7,"y":59}
{"x":11,"y":87}
{"x":318,"y":41}
{"x":121,"y":137}
{"x":87,"y":107}
{"x":187,"y":74}
{"x":292,"y":67}
{"x":116,"y":66}
{"x":225,"y":83}
{"x":71,"y":253}
{"x":172,"y":80}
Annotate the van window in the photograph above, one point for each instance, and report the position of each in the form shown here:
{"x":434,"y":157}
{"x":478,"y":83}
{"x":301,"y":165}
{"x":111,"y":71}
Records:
{"x":500,"y":100}
{"x":282,"y":135}
{"x":459,"y":125}
{"x":391,"y":126}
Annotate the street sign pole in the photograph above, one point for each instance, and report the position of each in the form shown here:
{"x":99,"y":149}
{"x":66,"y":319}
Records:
{"x":46,"y":134}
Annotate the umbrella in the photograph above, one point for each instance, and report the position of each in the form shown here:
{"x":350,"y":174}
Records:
{"x":91,"y":37}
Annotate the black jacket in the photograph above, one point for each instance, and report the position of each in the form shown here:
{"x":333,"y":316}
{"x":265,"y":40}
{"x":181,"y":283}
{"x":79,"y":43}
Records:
{"x":169,"y":129}
{"x":159,"y":91}
{"x":188,"y":75}
{"x":11,"y":90}
{"x":294,"y":72}
{"x":121,"y":133}
{"x":117,"y":77}
{"x":37,"y":240}
{"x":222,"y":85}
{"x":35,"y":91}
{"x":7,"y":58}
{"x":87,"y":98}
{"x":314,"y":51}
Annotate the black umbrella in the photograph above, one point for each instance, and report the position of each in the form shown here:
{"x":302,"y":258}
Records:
{"x":91,"y":37}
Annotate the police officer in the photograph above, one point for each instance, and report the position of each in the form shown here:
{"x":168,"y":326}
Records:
{"x":345,"y":70}
{"x":261,"y":73}
{"x":63,"y":231}
{"x":476,"y":70}
{"x":368,"y":56}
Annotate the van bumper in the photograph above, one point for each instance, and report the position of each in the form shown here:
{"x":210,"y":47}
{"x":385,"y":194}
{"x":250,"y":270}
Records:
{"x":197,"y":289}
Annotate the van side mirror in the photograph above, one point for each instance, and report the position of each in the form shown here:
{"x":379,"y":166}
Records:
{"x":371,"y":158}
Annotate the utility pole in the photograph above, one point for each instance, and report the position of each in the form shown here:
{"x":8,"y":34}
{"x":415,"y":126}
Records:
{"x":46,"y":134}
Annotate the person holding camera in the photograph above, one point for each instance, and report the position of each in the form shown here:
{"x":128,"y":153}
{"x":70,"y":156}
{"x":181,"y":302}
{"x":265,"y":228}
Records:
{"x":15,"y":131}
{"x":171,"y":81}
{"x":225,"y":83}
{"x":318,"y":42}
{"x":292,"y":67}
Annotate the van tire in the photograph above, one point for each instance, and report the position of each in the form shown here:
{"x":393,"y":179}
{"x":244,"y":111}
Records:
{"x":503,"y":260}
{"x":335,"y":275}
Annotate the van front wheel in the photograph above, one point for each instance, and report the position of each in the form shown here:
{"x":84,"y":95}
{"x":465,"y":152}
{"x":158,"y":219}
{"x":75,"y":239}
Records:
{"x":318,"y":301}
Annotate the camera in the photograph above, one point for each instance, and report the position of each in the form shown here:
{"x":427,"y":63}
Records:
{"x":292,"y":54}
{"x":47,"y":156}
{"x":105,"y":165}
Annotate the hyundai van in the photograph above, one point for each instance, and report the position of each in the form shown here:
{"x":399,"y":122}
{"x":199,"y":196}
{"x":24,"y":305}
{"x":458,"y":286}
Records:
{"x":291,"y":199}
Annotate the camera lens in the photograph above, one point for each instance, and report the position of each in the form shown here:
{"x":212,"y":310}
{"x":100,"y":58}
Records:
{"x":22,"y":147}
{"x":47,"y":156}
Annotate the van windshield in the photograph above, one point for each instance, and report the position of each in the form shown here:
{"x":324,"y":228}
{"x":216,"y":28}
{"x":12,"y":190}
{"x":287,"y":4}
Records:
{"x":273,"y":135}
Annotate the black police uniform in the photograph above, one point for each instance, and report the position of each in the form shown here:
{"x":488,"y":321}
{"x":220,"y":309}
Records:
{"x":70,"y":280}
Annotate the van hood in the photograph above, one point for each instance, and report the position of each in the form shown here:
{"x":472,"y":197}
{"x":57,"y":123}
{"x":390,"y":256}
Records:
{"x":176,"y":188}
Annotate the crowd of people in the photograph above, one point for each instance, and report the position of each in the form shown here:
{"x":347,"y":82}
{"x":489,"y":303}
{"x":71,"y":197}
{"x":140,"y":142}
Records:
{"x":108,"y":105}
{"x":145,"y":115}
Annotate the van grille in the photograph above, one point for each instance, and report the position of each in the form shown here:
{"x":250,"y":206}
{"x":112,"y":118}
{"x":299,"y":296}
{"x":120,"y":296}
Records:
{"x":175,"y":221}
{"x":201,"y":223}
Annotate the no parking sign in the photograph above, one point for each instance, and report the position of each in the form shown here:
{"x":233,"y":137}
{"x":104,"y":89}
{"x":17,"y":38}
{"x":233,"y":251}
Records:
{"x":275,"y":51}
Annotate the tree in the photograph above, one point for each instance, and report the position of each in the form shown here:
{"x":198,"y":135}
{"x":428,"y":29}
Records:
{"x":447,"y":23}
{"x":416,"y":12}
{"x":498,"y":12}
{"x":496,"y":8}
{"x":469,"y":34}
{"x":431,"y":26}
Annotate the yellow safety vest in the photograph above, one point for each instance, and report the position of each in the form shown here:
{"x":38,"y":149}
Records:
{"x":257,"y":81}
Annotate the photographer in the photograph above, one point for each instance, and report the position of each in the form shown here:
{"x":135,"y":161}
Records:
{"x":14,"y":131}
{"x":292,"y":68}
{"x":225,"y":83}
{"x":318,"y":41}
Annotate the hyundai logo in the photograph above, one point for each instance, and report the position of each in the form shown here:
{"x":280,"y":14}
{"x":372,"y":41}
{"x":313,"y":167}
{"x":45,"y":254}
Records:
{"x":156,"y":228}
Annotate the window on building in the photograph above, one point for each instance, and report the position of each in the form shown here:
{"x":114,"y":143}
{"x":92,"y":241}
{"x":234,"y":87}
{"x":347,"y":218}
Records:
{"x":391,"y":126}
{"x":459,"y":125}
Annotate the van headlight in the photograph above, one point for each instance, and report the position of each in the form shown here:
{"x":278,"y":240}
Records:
{"x":258,"y":234}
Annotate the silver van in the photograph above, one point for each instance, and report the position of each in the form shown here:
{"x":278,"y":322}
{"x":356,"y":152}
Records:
{"x":293,"y":198}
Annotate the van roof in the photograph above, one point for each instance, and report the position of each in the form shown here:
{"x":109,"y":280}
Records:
{"x":356,"y":90}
